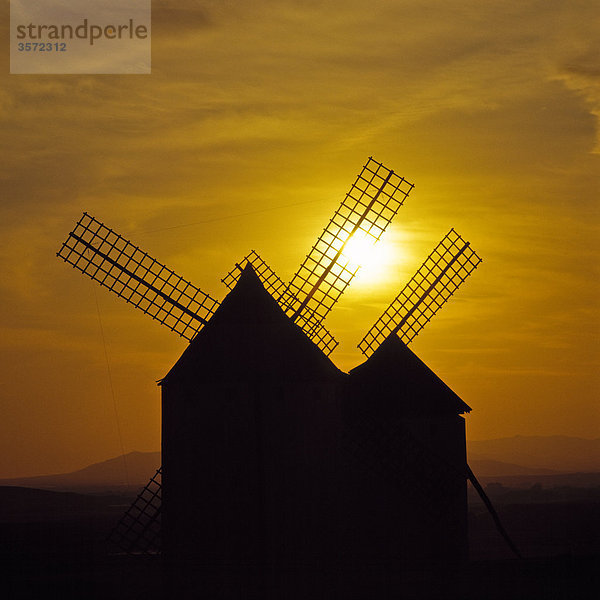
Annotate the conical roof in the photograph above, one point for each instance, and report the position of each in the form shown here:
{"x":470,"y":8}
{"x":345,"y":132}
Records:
{"x":249,"y":338}
{"x":397,"y":380}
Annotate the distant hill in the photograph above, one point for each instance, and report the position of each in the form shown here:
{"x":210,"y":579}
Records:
{"x":23,"y":504}
{"x":519,"y":456}
{"x":134,"y":468}
{"x":558,"y":453}
{"x":495,"y":468}
{"x":573,"y":480}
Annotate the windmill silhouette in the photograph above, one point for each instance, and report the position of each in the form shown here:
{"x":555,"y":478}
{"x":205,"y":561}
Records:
{"x":115,"y":263}
{"x":367,"y":209}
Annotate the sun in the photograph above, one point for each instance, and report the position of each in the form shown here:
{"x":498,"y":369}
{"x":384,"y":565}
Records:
{"x":374,"y":258}
{"x":358,"y":249}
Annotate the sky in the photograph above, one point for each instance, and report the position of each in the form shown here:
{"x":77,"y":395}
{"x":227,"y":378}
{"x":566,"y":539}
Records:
{"x":247,"y":134}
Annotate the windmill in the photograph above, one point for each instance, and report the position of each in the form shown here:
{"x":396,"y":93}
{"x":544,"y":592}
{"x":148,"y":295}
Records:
{"x":446,"y":268}
{"x":404,"y":442}
{"x":368,"y":208}
{"x":124,"y":269}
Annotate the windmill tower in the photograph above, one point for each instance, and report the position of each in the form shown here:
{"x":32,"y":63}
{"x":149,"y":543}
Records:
{"x":251,"y":431}
{"x":123,"y":268}
{"x":404,"y":439}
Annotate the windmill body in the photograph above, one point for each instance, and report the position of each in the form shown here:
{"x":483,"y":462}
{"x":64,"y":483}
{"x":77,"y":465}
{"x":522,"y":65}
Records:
{"x":404,"y":453}
{"x":250,"y":436}
{"x":269,"y":451}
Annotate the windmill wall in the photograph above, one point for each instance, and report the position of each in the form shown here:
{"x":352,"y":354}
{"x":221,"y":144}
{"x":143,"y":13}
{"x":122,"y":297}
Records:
{"x":404,"y":453}
{"x":248,"y":476}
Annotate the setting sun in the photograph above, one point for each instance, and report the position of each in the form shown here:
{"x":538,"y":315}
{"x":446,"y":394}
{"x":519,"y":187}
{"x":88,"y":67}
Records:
{"x":375,"y":258}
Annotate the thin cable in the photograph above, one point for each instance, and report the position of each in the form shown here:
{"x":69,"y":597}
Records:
{"x":112,"y":391}
{"x":245,"y":214}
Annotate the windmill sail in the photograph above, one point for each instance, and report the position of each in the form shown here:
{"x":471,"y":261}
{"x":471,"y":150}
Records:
{"x":368,"y":208}
{"x":275,"y":286}
{"x":438,"y":278}
{"x":271,"y":281}
{"x":138,"y":530}
{"x":139,"y":279}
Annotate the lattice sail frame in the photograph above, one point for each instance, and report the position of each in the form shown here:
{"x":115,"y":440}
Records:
{"x":368,"y":208}
{"x":153,"y":288}
{"x":270,"y":280}
{"x":138,"y":530}
{"x":438,"y":278}
{"x":314,"y":330}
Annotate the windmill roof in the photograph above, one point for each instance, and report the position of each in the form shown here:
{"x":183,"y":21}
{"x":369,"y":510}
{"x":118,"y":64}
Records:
{"x":397,"y":379}
{"x":249,"y":338}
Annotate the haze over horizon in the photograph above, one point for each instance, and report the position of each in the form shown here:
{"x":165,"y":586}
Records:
{"x":251,"y":128}
{"x":517,"y":455}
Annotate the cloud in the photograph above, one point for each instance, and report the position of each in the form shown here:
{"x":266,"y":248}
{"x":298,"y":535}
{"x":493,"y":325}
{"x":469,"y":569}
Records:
{"x":581,"y":73}
{"x":267,"y":77}
{"x":174,"y":18}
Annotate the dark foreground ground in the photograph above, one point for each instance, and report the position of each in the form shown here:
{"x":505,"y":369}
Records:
{"x":127,"y":578}
{"x":61,"y":552}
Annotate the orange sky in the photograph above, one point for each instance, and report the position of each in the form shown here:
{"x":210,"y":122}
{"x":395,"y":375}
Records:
{"x":254,"y":123}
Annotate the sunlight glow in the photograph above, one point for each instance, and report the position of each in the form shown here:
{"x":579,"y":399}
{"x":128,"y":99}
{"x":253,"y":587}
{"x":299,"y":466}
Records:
{"x":374,"y":258}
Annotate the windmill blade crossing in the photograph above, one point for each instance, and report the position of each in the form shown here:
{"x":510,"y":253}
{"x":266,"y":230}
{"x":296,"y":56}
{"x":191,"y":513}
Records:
{"x":275,"y":286}
{"x":368,"y":208}
{"x":438,"y":278}
{"x":130,"y":273}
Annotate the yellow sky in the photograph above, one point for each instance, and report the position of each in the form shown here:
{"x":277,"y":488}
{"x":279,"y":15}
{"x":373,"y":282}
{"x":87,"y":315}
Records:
{"x":254,"y":123}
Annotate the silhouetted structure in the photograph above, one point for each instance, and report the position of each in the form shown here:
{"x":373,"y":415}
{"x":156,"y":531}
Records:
{"x":404,"y":457}
{"x":251,"y":430}
{"x":269,"y":451}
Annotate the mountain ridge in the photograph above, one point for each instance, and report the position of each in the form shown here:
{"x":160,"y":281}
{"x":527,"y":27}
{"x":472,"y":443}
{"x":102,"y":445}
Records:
{"x":499,"y":457}
{"x":133,"y":469}
{"x":557,"y":452}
